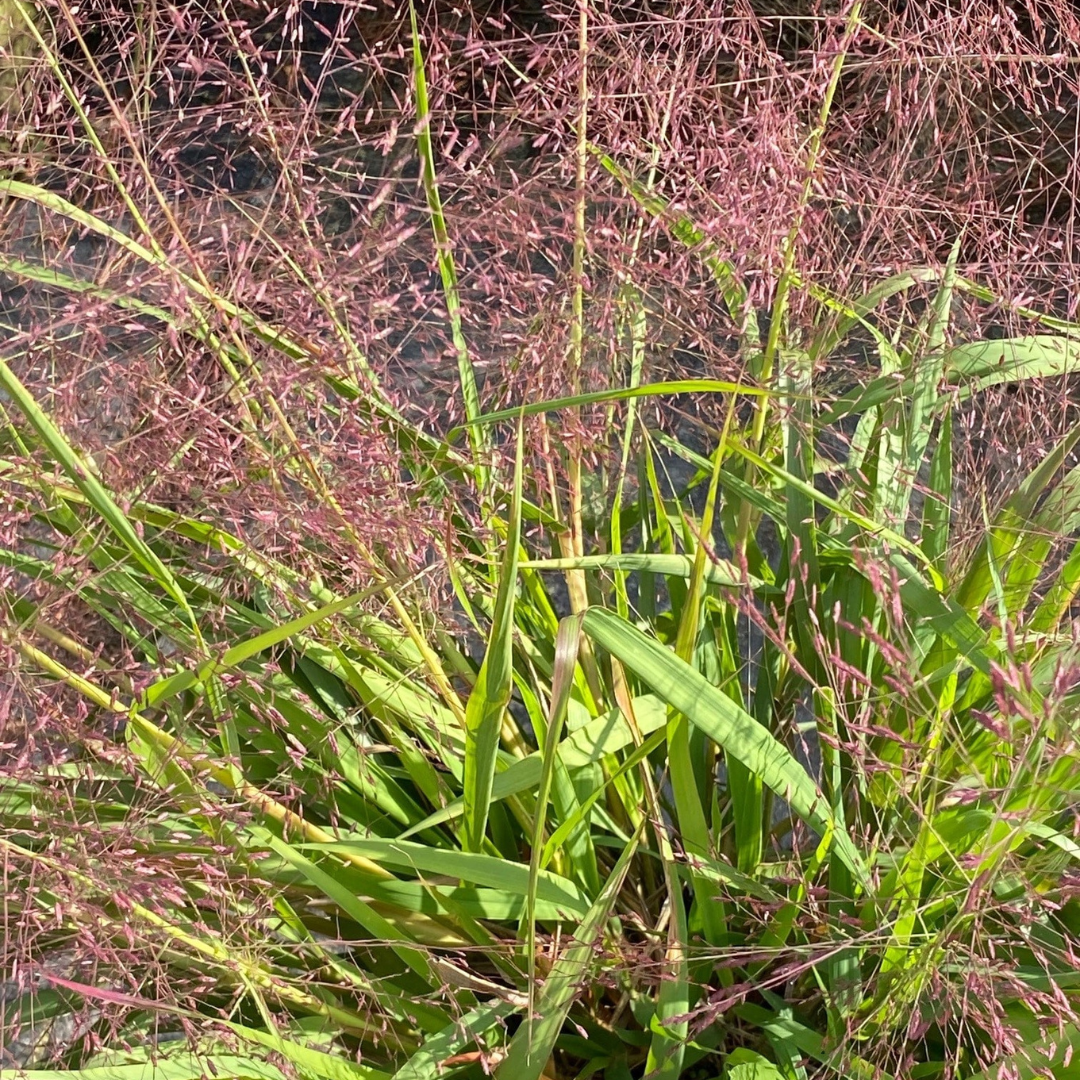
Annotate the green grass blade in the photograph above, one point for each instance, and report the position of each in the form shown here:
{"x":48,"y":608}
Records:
{"x":491,"y":871}
{"x":1014,"y":522}
{"x":606,"y":735}
{"x":715,"y":571}
{"x":937,"y":509}
{"x":978,"y":365}
{"x":944,"y":615}
{"x":491,"y":694}
{"x":854,"y":313}
{"x":566,"y":829}
{"x":1057,"y":516}
{"x":1056,"y":603}
{"x":690,"y":806}
{"x":427,"y":1062}
{"x":805,"y":488}
{"x":800,"y":559}
{"x":566,"y":654}
{"x":667,"y":1048}
{"x":635,"y":316}
{"x":380,"y":929}
{"x":1049,"y":1056}
{"x":812,"y":1044}
{"x":534,"y":1041}
{"x":444,"y":254}
{"x":94,"y":491}
{"x":724,"y":722}
{"x":971,"y":368}
{"x":307,"y":1060}
{"x":744,"y":1064}
{"x":929,"y":369}
{"x":162,"y":691}
{"x":624,"y":393}
{"x":178,"y":1066}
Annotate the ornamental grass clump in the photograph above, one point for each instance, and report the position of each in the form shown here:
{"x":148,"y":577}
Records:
{"x":665,"y":691}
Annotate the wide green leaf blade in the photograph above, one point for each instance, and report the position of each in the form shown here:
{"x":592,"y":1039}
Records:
{"x":496,"y":873}
{"x":722,"y":721}
{"x":978,"y":365}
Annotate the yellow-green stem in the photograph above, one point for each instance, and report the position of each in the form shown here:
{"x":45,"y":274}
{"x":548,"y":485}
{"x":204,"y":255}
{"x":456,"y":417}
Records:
{"x":788,"y":273}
